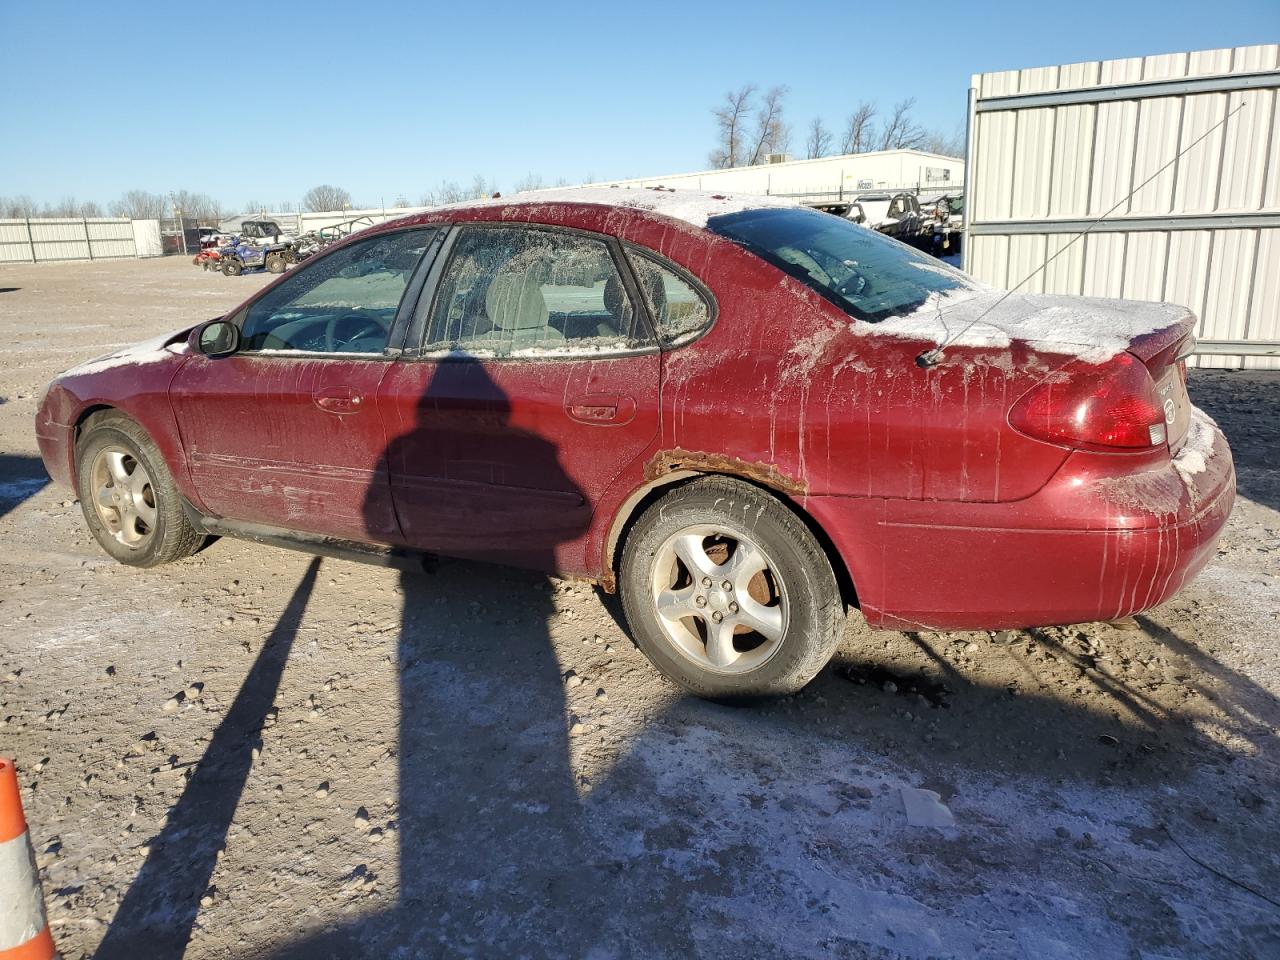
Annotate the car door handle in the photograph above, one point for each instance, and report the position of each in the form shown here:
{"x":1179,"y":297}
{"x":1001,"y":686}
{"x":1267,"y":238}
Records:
{"x":338,"y":400}
{"x":602,"y":410}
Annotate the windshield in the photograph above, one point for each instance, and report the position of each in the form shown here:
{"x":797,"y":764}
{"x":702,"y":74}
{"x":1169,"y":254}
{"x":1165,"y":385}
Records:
{"x":864,"y":273}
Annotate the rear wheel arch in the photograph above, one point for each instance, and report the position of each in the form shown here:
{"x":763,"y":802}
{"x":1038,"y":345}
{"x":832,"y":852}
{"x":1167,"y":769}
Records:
{"x":654,"y":490}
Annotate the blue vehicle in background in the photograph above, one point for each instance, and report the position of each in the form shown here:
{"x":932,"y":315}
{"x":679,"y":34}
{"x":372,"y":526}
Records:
{"x":241,"y":255}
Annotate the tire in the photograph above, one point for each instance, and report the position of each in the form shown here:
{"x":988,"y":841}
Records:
{"x":276,"y":263}
{"x":142,"y":521}
{"x":794,"y":596}
{"x":232,"y":268}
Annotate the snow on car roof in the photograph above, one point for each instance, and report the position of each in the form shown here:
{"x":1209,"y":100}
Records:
{"x":692,"y":206}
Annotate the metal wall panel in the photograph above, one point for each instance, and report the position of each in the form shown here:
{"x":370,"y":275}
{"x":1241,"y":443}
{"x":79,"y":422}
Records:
{"x":1069,"y":143}
{"x":66,"y":238}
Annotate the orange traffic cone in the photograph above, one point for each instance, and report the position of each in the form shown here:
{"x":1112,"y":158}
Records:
{"x":24,"y":931}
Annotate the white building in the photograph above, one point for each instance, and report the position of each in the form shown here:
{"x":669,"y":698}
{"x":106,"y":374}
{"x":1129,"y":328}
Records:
{"x":826,"y":178}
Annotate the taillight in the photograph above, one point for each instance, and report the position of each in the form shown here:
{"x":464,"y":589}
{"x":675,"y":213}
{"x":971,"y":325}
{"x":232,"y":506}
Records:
{"x":1107,"y":406}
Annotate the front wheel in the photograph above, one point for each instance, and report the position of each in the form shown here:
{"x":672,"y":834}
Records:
{"x":231,"y":268}
{"x":129,"y":500}
{"x":728,"y":593}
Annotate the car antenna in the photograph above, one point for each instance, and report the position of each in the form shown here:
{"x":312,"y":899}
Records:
{"x":935,"y":355}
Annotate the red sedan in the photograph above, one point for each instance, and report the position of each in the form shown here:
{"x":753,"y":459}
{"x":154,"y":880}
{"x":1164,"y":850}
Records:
{"x":743,"y":414}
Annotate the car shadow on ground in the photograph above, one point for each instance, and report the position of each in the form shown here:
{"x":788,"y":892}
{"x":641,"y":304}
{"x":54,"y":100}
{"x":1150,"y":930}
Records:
{"x":509,"y":846}
{"x":515,"y":839}
{"x":20,"y":479}
{"x":156,"y":917}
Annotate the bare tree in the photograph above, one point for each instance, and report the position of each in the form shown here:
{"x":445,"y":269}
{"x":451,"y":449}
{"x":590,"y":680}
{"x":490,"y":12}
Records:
{"x":198,"y":206}
{"x":17,"y":207}
{"x":731,"y":122}
{"x":140,"y":205}
{"x":818,"y":143}
{"x":772,"y":135}
{"x":859,"y":131}
{"x":951,"y":145}
{"x":480,"y":187}
{"x":450,"y":192}
{"x":326,"y":197}
{"x":899,"y":130}
{"x":530,"y":181}
{"x":71,"y":207}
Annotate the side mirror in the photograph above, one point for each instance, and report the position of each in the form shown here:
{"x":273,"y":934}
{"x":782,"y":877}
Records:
{"x":216,"y":338}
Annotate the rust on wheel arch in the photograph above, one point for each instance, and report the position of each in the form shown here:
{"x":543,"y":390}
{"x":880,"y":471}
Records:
{"x":668,"y":466}
{"x":765,"y":474}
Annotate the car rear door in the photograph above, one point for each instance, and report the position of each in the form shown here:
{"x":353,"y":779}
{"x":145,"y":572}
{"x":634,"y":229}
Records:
{"x":286,"y":432}
{"x":535,"y":386}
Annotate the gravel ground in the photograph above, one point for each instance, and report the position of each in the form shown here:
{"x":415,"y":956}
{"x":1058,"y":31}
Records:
{"x":258,"y":754}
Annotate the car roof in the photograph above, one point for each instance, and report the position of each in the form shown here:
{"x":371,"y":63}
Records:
{"x":692,"y":207}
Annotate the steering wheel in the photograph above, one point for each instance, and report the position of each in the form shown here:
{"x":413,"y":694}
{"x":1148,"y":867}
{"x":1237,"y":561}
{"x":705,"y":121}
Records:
{"x":854,"y":285}
{"x":364,"y":327}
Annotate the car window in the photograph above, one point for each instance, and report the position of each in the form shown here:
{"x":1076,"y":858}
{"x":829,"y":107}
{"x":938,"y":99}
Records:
{"x":861,"y":271}
{"x":678,"y":310}
{"x":343,"y":302}
{"x":515,"y":291}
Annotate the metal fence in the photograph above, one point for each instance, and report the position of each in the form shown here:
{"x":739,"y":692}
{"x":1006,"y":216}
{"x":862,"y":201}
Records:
{"x":66,"y":238}
{"x":1054,"y":148}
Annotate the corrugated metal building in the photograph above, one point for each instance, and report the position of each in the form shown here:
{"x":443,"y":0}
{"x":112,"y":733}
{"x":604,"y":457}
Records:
{"x":826,"y":178}
{"x":1182,"y":148}
{"x":72,"y":238}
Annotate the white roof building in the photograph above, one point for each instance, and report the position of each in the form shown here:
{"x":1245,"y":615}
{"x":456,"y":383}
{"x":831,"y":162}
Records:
{"x":826,"y":178}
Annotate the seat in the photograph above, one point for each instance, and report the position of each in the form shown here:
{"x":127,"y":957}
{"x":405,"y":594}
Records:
{"x":518,"y":310}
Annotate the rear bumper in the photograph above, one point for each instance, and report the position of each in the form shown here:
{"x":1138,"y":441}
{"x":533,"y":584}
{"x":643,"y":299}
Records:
{"x":1093,"y":544}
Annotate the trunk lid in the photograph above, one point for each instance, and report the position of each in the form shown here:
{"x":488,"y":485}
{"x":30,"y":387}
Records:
{"x":1091,"y":331}
{"x":1165,"y":354}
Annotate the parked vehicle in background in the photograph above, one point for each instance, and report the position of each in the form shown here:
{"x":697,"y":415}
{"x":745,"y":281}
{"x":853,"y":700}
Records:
{"x":241,"y":255}
{"x":256,"y":229}
{"x":726,"y":421}
{"x":313,"y":241}
{"x":848,"y":209}
{"x":943,"y":222}
{"x":895,"y":215}
{"x":211,"y":237}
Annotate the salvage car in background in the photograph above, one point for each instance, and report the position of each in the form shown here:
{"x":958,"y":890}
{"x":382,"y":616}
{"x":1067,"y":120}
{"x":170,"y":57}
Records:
{"x":895,"y":215}
{"x":710,"y":403}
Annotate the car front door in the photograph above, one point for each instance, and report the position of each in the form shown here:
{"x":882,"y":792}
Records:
{"x":285,"y":432}
{"x":536,"y":385}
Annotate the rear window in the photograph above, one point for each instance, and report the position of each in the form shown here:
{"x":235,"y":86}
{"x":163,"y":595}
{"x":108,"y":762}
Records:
{"x":864,"y":273}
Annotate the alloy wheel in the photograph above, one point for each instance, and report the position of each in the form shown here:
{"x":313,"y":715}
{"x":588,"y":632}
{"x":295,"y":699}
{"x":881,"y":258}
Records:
{"x":123,"y":496}
{"x":719,"y":599}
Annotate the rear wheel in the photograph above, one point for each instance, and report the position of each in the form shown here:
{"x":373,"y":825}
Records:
{"x":129,"y":499}
{"x":728,"y":593}
{"x":276,"y":263}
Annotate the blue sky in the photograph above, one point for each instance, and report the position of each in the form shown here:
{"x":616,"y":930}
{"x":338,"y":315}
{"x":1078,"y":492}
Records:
{"x":390,"y":99}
